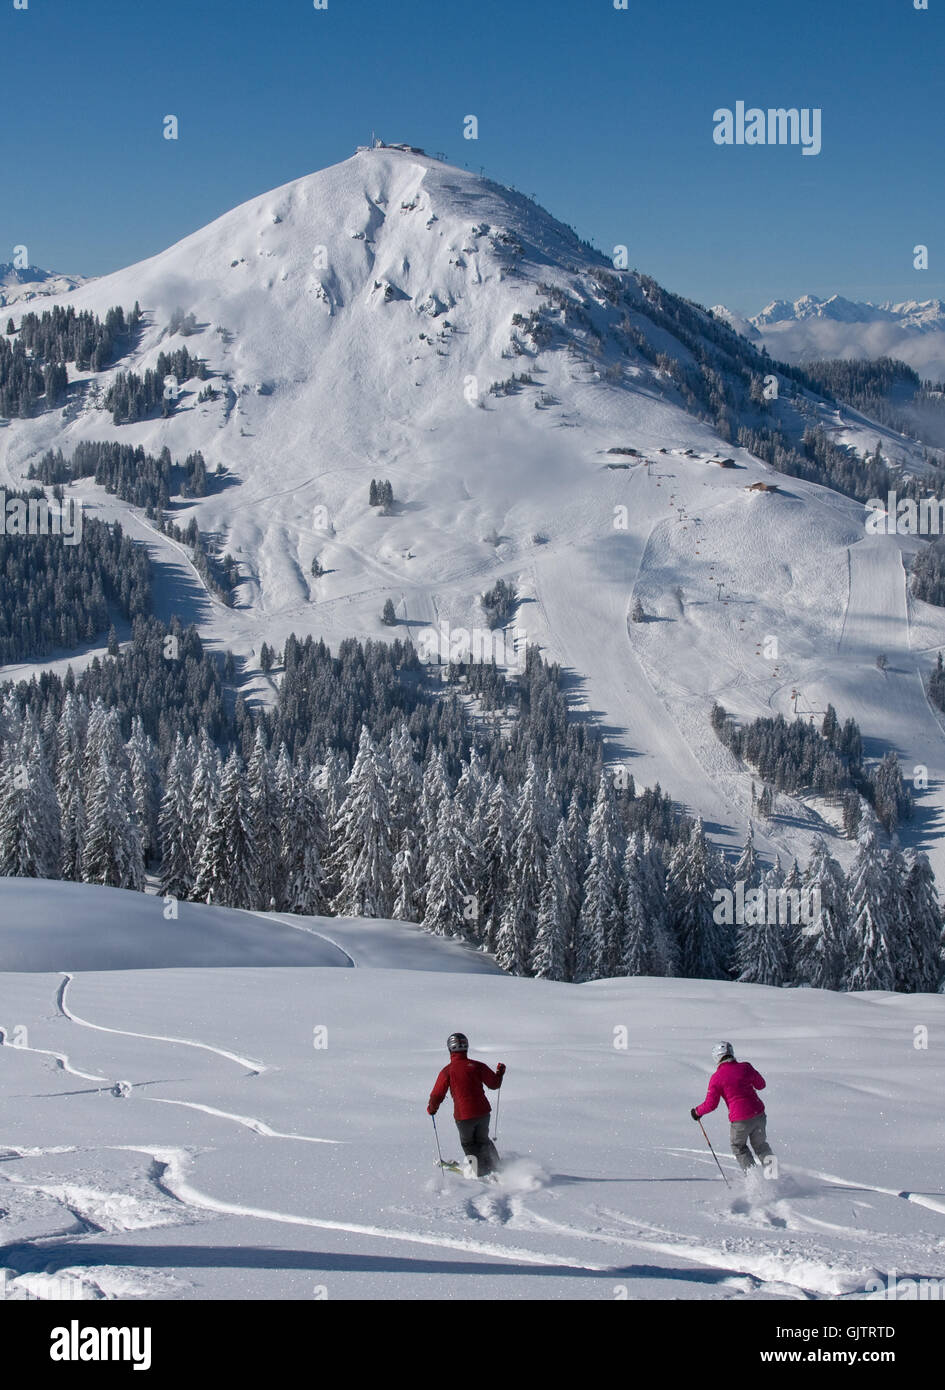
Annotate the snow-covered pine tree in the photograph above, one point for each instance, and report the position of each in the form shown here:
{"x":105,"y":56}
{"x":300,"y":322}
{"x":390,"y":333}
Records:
{"x":553,"y":933}
{"x":407,"y":877}
{"x":70,"y":786}
{"x":870,"y":960}
{"x":895,"y":911}
{"x":265,"y":818}
{"x":362,"y":838}
{"x":598,"y":928}
{"x":435,"y":789}
{"x":206,"y":773}
{"x":145,"y":790}
{"x":748,"y":868}
{"x":451,"y":909}
{"x":518,"y":920}
{"x":112,"y":852}
{"x":762,"y":944}
{"x":791,"y":890}
{"x":29,"y":812}
{"x":656,"y":906}
{"x":705,"y":947}
{"x":637,"y":954}
{"x":227,"y":869}
{"x":302,"y":839}
{"x":497,"y":853}
{"x":924,"y":918}
{"x":174,"y":825}
{"x":405,"y":782}
{"x":821,"y":943}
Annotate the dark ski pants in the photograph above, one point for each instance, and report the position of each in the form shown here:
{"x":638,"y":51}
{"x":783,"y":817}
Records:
{"x":745,"y":1132}
{"x":474,"y":1137}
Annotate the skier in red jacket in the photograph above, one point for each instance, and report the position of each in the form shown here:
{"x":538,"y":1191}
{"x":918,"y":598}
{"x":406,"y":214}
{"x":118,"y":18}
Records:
{"x":465,"y":1078}
{"x":738,"y":1084}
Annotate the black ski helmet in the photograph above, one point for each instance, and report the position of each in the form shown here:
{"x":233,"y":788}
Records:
{"x":457,"y":1042}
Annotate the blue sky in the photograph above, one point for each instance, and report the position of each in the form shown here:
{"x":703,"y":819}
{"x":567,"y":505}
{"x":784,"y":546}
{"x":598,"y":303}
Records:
{"x":604,"y":115}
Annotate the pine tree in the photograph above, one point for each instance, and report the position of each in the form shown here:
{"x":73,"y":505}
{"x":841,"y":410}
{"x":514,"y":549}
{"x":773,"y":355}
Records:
{"x":265,"y":819}
{"x":227,"y":869}
{"x":435,"y":790}
{"x":174,"y":823}
{"x":871,"y":952}
{"x":205,"y":774}
{"x":70,"y":785}
{"x":552,"y":937}
{"x":518,"y":920}
{"x":29,"y":813}
{"x":406,"y":874}
{"x":302,"y":837}
{"x":637,"y":953}
{"x":705,"y":946}
{"x":144,"y":787}
{"x":763,"y":943}
{"x":924,"y":925}
{"x":449,"y":887}
{"x":497,"y":857}
{"x":112,"y":853}
{"x":748,"y":869}
{"x":821,"y":943}
{"x":598,"y":930}
{"x":362,"y":839}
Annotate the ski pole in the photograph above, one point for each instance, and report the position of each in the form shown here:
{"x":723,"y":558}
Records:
{"x":439,"y":1156}
{"x":714,"y":1155}
{"x":498,"y":1097}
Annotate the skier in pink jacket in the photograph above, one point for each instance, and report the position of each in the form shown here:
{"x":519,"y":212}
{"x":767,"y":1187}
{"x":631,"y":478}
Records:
{"x":738,"y":1084}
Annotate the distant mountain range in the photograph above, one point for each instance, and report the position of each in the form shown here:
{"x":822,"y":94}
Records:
{"x":811,"y":328}
{"x":20,"y":284}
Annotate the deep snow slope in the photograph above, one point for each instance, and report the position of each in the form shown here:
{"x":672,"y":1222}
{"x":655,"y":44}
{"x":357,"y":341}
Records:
{"x":274,"y":1141}
{"x":354,"y":321}
{"x":47,"y":925}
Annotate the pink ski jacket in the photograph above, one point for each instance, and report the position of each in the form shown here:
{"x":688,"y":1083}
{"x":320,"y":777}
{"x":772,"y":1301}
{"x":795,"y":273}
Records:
{"x":737,"y":1083}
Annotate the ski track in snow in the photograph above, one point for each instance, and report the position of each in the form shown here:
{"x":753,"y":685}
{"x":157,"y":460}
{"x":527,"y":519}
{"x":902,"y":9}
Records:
{"x":171,"y":1178}
{"x":62,"y":1059}
{"x":248,"y":1121}
{"x":254,"y":1068}
{"x":310,"y":931}
{"x":919,"y":1198}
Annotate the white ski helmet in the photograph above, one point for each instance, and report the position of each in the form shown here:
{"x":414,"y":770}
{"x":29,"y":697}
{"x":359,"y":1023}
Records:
{"x":721,"y":1051}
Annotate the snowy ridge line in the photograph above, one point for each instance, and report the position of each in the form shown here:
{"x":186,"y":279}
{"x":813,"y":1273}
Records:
{"x":172,"y":1180}
{"x":920,"y":1198}
{"x":274,"y":917}
{"x":62,"y":1059}
{"x":255,"y":1068}
{"x":249,"y":1121}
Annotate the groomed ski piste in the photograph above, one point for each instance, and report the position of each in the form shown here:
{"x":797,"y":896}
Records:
{"x":240,"y":1131}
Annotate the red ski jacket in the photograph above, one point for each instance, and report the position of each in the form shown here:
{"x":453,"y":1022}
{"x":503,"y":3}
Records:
{"x":737,"y":1083}
{"x":464,"y":1078}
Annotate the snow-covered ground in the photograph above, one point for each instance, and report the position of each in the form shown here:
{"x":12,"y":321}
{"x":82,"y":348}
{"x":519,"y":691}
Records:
{"x":274,"y":1142}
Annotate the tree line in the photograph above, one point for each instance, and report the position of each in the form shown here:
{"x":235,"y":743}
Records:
{"x":34,"y":365}
{"x":794,"y":756}
{"x":57,"y":595}
{"x":370,"y":790}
